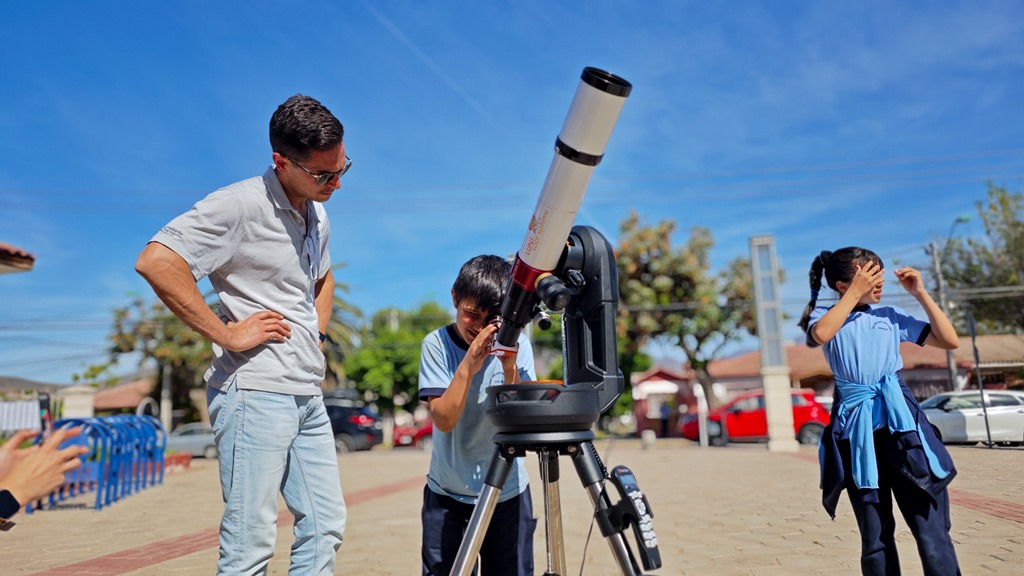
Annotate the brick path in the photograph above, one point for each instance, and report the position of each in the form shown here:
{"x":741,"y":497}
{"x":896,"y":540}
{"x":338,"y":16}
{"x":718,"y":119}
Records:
{"x":723,"y":511}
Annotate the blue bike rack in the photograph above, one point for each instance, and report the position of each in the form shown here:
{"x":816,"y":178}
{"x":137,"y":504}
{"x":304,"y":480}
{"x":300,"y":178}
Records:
{"x":125,"y":454}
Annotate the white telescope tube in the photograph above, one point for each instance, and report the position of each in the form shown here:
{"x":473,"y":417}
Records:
{"x":578,"y":149}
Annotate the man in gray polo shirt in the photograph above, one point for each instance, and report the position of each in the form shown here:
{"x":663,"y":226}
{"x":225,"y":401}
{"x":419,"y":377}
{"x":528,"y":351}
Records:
{"x":263,"y":243}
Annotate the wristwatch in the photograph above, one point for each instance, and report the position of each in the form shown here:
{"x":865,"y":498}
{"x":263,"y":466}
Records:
{"x":9,"y":506}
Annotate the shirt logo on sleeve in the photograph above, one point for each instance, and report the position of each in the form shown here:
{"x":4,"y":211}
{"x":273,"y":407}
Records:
{"x":173,"y":232}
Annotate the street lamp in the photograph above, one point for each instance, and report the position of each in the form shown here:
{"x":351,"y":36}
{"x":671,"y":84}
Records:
{"x":961,"y":219}
{"x":941,"y":289}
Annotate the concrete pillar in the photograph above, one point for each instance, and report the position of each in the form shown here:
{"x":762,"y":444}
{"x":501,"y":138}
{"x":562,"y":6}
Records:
{"x":778,"y":404}
{"x":774,"y":372}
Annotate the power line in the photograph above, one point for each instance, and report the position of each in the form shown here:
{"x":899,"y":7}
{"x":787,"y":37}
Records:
{"x":49,"y":362}
{"x":29,"y":328}
{"x":41,"y":324}
{"x":986,"y":293}
{"x":662,"y":188}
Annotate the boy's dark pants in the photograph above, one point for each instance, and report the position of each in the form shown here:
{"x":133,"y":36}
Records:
{"x":927,"y":518}
{"x":507,"y":549}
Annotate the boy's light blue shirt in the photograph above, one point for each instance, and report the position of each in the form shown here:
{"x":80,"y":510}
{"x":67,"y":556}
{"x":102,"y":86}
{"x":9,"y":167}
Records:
{"x":460,"y":458}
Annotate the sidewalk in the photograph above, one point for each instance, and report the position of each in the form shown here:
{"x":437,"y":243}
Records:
{"x":738,"y":510}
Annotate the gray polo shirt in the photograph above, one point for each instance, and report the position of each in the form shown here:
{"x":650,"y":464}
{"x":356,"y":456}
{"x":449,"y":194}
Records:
{"x":260,"y":254}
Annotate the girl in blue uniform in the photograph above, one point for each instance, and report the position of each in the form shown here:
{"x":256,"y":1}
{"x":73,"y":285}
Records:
{"x":879,"y":445}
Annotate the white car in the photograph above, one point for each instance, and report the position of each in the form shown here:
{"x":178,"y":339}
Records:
{"x":960,"y":417}
{"x":195,"y":438}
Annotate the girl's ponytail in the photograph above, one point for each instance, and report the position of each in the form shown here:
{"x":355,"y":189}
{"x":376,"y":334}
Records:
{"x":817,"y":267}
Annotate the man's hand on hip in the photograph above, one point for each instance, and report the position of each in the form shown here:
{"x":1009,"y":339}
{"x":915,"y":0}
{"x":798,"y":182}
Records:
{"x":260,"y":328}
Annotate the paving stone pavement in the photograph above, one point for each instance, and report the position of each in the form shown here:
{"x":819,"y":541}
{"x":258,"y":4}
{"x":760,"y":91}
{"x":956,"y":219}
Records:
{"x":739,"y":510}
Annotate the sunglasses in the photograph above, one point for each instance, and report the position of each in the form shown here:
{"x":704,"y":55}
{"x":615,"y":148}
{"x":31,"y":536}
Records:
{"x":322,"y":178}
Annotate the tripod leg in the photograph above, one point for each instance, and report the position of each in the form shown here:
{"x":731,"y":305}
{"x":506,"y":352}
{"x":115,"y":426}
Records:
{"x":592,"y":475}
{"x":552,"y":513}
{"x":497,"y":475}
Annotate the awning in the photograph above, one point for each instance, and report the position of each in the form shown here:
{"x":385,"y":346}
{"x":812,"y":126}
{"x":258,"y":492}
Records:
{"x":14,"y":259}
{"x":654,"y":386}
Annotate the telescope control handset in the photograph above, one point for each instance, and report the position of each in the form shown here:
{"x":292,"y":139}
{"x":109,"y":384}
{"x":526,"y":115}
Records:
{"x":578,"y":149}
{"x":636,"y":512}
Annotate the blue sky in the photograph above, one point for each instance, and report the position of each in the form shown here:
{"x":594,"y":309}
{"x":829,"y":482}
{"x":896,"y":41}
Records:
{"x":824,"y":124}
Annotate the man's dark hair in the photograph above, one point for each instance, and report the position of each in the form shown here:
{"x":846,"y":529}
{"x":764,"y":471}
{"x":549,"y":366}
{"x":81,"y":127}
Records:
{"x":483,"y":279}
{"x":302,"y":124}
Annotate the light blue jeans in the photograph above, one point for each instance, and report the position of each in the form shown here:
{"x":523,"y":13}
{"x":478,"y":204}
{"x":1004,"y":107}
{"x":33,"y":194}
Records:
{"x":268,"y":443}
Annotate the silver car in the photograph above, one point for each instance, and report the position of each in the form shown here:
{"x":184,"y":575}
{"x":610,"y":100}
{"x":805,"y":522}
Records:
{"x":195,"y":439}
{"x":960,"y":417}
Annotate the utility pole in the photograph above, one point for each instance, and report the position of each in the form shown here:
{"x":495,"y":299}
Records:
{"x":940,"y":282}
{"x":166,"y":406}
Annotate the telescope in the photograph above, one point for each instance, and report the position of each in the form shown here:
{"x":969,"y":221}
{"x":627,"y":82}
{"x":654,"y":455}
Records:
{"x":570,"y":269}
{"x":578,"y":149}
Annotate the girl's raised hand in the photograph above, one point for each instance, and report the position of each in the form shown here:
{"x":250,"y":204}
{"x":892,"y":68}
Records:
{"x":866,"y":278}
{"x":910,"y":279}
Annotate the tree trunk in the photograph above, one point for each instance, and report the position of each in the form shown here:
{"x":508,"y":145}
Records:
{"x":706,"y":384}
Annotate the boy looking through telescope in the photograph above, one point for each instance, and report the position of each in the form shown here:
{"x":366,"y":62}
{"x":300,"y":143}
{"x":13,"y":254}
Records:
{"x":456,"y":368}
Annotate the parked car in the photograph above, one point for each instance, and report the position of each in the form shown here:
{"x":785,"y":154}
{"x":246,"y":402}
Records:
{"x":356,"y":426}
{"x":826,"y":402}
{"x":421,"y":437}
{"x":960,"y":417}
{"x":195,"y":438}
{"x":743,"y":420}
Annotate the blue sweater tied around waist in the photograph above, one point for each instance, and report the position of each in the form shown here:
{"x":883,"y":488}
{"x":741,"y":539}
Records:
{"x":864,"y":408}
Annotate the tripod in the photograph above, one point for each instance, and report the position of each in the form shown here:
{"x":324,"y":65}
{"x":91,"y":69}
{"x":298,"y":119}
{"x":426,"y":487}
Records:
{"x":556,"y":420}
{"x":633,"y":510}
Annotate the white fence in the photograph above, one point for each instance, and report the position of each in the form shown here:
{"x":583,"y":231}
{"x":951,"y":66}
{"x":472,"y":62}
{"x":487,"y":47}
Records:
{"x":19,"y":415}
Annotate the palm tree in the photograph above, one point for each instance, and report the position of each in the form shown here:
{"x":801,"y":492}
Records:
{"x":342,"y":332}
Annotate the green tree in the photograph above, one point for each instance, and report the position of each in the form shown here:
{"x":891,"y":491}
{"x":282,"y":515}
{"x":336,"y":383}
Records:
{"x":387,"y":363}
{"x":672,"y":294}
{"x":158,"y":337}
{"x":342,"y":332}
{"x":983,"y":273}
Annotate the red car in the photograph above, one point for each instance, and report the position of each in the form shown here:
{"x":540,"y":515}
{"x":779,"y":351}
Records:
{"x":419,"y":437}
{"x":743,"y":420}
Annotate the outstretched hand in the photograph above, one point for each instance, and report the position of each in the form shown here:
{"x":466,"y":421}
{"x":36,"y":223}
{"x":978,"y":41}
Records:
{"x":260,"y":328}
{"x":34,"y":472}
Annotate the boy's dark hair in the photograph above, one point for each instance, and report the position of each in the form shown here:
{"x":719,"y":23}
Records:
{"x":483,"y":279}
{"x":302,"y":124}
{"x":838,"y":266}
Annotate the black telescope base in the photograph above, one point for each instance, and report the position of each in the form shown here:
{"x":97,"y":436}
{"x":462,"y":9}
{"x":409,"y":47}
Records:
{"x":548,"y":446}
